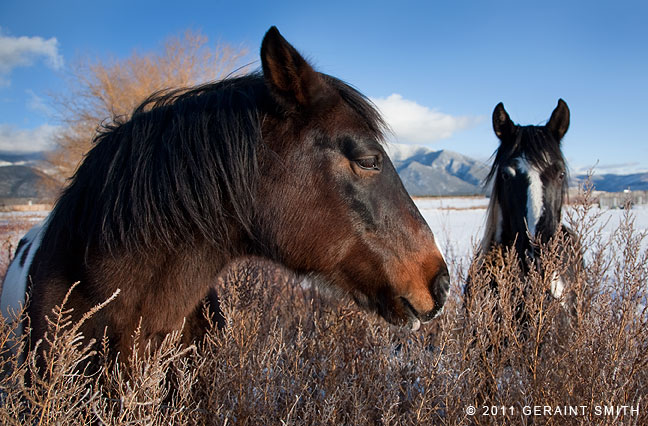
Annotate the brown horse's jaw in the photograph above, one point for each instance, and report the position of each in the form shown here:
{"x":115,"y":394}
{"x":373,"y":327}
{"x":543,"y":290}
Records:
{"x":413,"y":321}
{"x":402,"y":314}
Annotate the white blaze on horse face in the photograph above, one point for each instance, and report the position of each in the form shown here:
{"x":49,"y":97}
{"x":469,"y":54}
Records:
{"x":534,"y":194}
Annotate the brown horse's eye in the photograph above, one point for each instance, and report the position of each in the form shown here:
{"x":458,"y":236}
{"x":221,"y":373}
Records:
{"x":368,"y":163}
{"x":561,"y":176}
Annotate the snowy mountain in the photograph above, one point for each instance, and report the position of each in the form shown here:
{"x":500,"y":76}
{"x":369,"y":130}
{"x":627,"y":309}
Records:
{"x":428,"y":172}
{"x":615,"y":183}
{"x":424,"y":172}
{"x":10,"y":158}
{"x":25,"y":182}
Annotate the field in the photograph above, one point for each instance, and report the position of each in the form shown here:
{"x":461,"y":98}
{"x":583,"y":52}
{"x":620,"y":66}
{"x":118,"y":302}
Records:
{"x":458,"y":223}
{"x":292,"y":354}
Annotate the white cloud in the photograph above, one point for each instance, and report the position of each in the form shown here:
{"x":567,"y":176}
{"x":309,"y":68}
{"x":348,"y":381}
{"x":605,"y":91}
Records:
{"x":23,"y":141}
{"x":37,"y":104}
{"x":25,"y":51}
{"x":414,"y":123}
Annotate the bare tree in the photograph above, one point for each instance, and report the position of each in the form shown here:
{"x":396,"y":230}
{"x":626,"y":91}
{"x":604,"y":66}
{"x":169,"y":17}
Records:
{"x":100,"y":90}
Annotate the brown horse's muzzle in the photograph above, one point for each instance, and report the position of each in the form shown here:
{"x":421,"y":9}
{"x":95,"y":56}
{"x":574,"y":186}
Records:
{"x":421,"y":283}
{"x":438,"y":289}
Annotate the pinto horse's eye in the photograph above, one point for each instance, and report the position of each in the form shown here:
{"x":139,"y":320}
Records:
{"x":561,"y":176}
{"x":507,"y":173}
{"x":368,"y":163}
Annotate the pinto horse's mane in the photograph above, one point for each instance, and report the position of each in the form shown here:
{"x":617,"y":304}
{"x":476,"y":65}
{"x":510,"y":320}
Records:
{"x":535,"y":143}
{"x":540,"y":149}
{"x":184,"y":165}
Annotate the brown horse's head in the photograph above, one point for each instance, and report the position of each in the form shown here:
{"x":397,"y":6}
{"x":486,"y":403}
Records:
{"x":329,"y":201}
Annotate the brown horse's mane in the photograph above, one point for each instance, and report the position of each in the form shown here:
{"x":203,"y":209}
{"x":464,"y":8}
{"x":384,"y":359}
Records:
{"x":184,"y":165}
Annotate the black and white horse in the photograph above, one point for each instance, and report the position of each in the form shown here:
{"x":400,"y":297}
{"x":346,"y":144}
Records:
{"x":529,"y":185}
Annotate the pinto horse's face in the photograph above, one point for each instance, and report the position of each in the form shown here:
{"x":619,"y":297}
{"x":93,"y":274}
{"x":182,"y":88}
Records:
{"x":529,"y":178}
{"x":330,"y":202}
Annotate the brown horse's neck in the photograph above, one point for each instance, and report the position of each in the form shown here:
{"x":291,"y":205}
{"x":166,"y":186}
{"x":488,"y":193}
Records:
{"x":158,"y":290}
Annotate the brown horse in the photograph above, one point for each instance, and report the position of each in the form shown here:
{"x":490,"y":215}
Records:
{"x":286,"y":165}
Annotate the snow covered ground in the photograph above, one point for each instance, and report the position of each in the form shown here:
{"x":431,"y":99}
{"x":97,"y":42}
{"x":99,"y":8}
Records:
{"x":7,"y":218}
{"x":458,"y":223}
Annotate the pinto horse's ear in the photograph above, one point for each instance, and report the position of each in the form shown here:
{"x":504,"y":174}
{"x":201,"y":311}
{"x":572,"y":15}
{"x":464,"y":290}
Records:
{"x":502,"y":123}
{"x":559,"y":121}
{"x":288,"y":75}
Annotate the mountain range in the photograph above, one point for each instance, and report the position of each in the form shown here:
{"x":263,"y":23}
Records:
{"x":22,"y":182}
{"x":615,"y":183}
{"x":424,"y":172}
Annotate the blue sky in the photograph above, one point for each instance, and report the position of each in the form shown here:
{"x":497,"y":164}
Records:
{"x":437,"y":69}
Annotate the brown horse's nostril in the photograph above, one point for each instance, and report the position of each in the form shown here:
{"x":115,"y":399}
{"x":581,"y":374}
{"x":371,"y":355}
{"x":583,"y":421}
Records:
{"x":439,"y":288}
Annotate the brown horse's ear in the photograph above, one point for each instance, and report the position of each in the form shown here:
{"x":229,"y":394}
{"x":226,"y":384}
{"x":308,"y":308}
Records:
{"x":502,"y":123}
{"x":289,"y":77}
{"x":559,"y":121}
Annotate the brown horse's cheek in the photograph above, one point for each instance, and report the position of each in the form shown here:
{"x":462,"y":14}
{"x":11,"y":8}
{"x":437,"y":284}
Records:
{"x":414,"y":263}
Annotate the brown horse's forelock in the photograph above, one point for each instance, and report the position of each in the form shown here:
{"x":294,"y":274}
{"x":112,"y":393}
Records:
{"x":184,"y":166}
